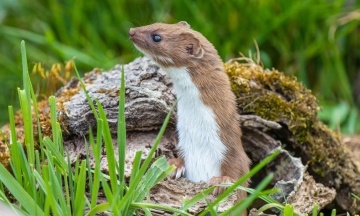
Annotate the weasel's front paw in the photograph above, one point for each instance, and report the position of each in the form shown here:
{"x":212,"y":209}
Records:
{"x":180,"y":167}
{"x":219,"y":180}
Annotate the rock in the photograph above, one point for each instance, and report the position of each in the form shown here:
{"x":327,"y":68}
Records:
{"x":310,"y":193}
{"x":149,"y":97}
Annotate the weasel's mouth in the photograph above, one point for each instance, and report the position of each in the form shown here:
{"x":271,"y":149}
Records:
{"x":138,"y":44}
{"x":140,"y":49}
{"x":134,"y":39}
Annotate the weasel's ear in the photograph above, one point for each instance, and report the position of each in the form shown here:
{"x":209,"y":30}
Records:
{"x":183,"y":24}
{"x":193,"y":45}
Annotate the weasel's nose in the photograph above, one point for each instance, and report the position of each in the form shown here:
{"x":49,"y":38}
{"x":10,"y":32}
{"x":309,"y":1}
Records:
{"x":131,"y":32}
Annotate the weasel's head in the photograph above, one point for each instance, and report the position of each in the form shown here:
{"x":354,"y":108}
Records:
{"x":171,"y":45}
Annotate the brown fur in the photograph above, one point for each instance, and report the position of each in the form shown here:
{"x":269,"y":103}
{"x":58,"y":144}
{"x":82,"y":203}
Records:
{"x":188,"y":48}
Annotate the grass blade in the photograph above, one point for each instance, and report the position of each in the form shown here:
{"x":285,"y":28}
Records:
{"x":288,"y":210}
{"x":109,"y":148}
{"x":356,"y":197}
{"x":57,"y":156}
{"x":25,"y":102}
{"x":241,"y":206}
{"x":121,"y":131}
{"x":152,"y":177}
{"x":12,"y":125}
{"x":156,"y":206}
{"x":25,"y":70}
{"x":54,"y":186}
{"x":333,"y":212}
{"x":96,"y":149}
{"x":196,"y":199}
{"x":315,"y":210}
{"x":99,"y":208}
{"x":18,"y":192}
{"x":80,"y":191}
{"x":28,"y":126}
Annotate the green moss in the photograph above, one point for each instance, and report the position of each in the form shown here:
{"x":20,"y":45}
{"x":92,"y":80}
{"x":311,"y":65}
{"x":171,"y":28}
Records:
{"x":274,"y":96}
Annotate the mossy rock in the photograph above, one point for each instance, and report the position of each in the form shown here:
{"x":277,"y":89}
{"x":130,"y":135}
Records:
{"x":274,"y":96}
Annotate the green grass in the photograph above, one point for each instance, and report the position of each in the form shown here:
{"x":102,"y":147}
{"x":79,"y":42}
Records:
{"x":315,"y":40}
{"x":43,"y":182}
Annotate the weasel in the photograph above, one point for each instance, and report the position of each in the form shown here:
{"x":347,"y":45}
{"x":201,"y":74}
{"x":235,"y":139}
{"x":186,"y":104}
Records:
{"x":207,"y":120}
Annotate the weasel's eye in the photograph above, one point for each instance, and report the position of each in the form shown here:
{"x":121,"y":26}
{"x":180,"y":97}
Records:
{"x":156,"y":38}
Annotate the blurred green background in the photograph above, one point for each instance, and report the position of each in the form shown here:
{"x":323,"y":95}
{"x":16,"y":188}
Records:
{"x":316,"y":40}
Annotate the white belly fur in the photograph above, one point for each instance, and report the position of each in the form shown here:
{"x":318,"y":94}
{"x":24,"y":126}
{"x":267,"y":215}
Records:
{"x":199,"y":140}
